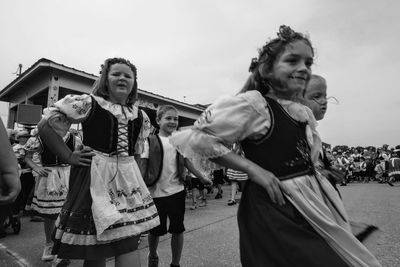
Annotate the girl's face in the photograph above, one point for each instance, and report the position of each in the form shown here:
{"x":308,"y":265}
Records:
{"x":168,"y":122}
{"x":120,"y":82}
{"x":291,"y":71}
{"x":315,"y":98}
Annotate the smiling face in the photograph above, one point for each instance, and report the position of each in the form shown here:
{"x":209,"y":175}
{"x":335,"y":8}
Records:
{"x":291,"y":71}
{"x":120,"y":81}
{"x":168,"y":122}
{"x":315,"y":97}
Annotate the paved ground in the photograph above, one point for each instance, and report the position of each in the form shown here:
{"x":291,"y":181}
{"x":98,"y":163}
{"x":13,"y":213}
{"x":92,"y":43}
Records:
{"x":211,"y":238}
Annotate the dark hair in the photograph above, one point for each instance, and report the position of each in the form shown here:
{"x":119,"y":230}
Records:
{"x":267,"y":56}
{"x":100,"y":87}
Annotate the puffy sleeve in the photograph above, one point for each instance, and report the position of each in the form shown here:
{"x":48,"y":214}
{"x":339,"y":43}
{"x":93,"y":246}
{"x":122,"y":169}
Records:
{"x":143,"y":134}
{"x":70,"y":109}
{"x":229,"y":120}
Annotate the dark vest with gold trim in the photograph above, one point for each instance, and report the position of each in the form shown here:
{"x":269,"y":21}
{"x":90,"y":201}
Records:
{"x":284,"y":150}
{"x":100,"y":130}
{"x":48,"y":158}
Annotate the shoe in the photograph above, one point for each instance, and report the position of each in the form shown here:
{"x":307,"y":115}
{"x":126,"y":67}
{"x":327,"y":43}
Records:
{"x":203,"y":203}
{"x":152,"y":262}
{"x":390,"y":183}
{"x":47,"y":256}
{"x":60,"y":262}
{"x":194,"y":206}
{"x":218,"y":196}
{"x":231,"y":202}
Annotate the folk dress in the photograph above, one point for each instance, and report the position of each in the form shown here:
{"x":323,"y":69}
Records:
{"x":108,"y":204}
{"x":312,"y":228}
{"x":50,"y":191}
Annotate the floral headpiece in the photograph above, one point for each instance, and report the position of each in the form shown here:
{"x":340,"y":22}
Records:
{"x":285,"y":35}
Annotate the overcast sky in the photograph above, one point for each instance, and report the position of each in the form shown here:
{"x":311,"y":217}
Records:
{"x":202,"y":49}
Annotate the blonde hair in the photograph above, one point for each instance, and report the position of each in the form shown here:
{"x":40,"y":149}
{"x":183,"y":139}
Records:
{"x":315,"y":80}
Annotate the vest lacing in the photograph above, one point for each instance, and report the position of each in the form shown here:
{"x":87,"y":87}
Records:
{"x":122,"y":142}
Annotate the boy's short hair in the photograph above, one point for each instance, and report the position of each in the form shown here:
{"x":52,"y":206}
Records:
{"x":161,"y":110}
{"x":315,"y":79}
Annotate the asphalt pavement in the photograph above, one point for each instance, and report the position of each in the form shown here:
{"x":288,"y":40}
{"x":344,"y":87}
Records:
{"x":211,"y":237}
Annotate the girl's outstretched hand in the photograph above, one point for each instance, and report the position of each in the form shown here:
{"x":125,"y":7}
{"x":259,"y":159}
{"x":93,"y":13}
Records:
{"x":81,"y":157}
{"x":268,"y":181}
{"x":41,"y":171}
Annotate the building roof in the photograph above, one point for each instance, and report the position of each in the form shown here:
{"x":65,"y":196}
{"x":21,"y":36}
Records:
{"x":44,"y":62}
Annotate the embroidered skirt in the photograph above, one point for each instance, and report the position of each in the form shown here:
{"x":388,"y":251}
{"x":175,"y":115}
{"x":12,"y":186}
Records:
{"x":51,"y":191}
{"x":107,"y":208}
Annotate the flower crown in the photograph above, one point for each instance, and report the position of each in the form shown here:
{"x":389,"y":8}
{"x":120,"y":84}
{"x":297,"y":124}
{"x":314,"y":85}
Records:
{"x":285,"y":34}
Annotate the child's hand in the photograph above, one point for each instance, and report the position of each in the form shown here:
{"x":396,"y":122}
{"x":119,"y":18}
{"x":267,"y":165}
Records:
{"x":41,"y":171}
{"x":81,"y":157}
{"x":268,"y":181}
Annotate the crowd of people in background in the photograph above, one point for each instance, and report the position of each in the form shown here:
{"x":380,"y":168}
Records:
{"x":365,"y":164}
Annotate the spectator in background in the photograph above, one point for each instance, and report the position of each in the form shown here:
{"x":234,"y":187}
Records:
{"x":394,"y":166}
{"x":26,"y":178}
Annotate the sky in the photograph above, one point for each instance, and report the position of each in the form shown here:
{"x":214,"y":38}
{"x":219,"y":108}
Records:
{"x":197,"y":51}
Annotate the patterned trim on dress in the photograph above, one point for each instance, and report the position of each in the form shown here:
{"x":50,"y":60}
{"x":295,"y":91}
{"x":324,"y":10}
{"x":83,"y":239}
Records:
{"x":85,"y":238}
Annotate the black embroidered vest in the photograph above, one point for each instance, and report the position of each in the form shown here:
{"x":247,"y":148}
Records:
{"x":100,"y":130}
{"x":284,"y":150}
{"x":48,"y":158}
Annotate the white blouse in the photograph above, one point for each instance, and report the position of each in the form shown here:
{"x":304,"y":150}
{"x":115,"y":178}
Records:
{"x":234,"y":118}
{"x":76,"y":108}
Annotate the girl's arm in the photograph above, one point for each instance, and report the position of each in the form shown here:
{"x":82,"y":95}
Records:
{"x":195,"y":172}
{"x":36,"y":168}
{"x":255,"y":173}
{"x":9,"y":178}
{"x":58,"y":147}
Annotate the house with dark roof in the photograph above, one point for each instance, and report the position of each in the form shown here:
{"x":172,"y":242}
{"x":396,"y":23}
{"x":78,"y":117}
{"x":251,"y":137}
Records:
{"x":46,"y":81}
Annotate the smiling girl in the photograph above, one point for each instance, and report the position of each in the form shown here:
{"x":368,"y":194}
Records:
{"x":108,"y":204}
{"x":286,"y":217}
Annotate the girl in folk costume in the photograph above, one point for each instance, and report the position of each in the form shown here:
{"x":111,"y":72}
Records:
{"x":51,"y":186}
{"x":288,"y":215}
{"x":108,"y":205}
{"x":315,"y":97}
